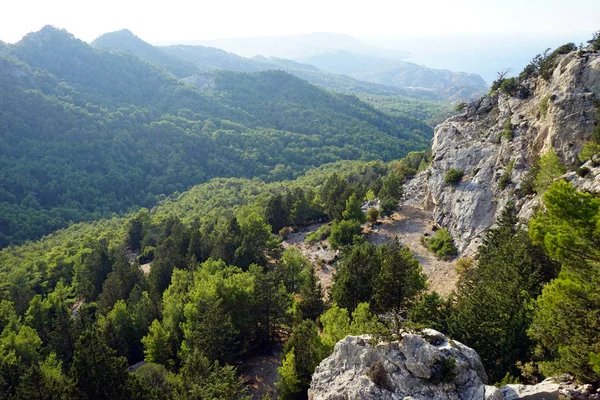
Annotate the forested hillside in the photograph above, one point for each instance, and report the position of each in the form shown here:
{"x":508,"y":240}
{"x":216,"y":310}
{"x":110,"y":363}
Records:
{"x":189,"y":286}
{"x":87,"y":132}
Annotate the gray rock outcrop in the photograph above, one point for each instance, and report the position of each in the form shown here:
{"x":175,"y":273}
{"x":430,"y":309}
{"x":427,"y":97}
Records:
{"x":427,"y":366}
{"x":559,"y":113}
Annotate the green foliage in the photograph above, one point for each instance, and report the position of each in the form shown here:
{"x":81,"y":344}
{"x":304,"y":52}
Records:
{"x":453,"y":176}
{"x":543,"y":106}
{"x":125,"y":132}
{"x":292,"y":264}
{"x":589,"y":150}
{"x":387,"y":206}
{"x":507,"y":129}
{"x":447,"y":371}
{"x":595,"y":41}
{"x":509,"y":86}
{"x":550,"y":168}
{"x":549,"y":62}
{"x":311,"y":295}
{"x":344,"y":232}
{"x":321,"y":233}
{"x":353,"y":210}
{"x":308,"y":351}
{"x":461,"y":106}
{"x":156,"y":344}
{"x":568,"y":230}
{"x":392,"y":184}
{"x":400,"y":278}
{"x":355,"y":276}
{"x":431,"y":311}
{"x":442,"y":245}
{"x":288,"y":384}
{"x":505,"y":179}
{"x":372,"y":215}
{"x":492,"y":311}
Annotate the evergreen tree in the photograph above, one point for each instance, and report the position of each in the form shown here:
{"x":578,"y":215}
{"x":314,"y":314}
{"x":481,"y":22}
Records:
{"x":353,"y":210}
{"x":492,"y":311}
{"x":355,"y":276}
{"x":97,"y":373}
{"x":399,"y":280}
{"x":311,"y":295}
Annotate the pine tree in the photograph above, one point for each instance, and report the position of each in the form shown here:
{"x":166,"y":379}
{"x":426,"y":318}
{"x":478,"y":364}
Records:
{"x":353,"y":210}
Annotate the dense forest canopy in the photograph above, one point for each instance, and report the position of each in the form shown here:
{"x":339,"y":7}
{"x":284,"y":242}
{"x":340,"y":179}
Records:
{"x":87,"y":132}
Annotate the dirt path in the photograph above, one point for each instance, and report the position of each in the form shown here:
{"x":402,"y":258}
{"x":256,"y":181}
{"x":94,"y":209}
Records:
{"x":320,"y":255}
{"x":260,"y":373}
{"x":408,"y":225}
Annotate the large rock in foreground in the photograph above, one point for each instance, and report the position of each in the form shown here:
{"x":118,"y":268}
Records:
{"x":420,"y":367}
{"x":428,"y":366}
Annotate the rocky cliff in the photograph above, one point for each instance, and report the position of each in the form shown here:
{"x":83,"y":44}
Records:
{"x":503,"y":132}
{"x":423,"y":366}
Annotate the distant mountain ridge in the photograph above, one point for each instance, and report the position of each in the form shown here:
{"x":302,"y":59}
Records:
{"x":419,"y":83}
{"x":396,"y":73}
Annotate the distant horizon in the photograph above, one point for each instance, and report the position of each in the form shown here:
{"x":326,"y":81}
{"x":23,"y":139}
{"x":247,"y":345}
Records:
{"x":482,"y":54}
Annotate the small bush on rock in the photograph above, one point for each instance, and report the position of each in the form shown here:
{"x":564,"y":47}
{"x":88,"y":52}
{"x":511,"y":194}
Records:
{"x":453,"y":176}
{"x":379,"y":375}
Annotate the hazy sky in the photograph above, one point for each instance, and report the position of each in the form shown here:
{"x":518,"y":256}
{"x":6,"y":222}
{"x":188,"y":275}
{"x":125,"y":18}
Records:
{"x":167,"y":21}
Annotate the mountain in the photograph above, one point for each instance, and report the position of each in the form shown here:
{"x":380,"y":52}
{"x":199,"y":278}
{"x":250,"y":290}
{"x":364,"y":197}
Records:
{"x":497,"y":141}
{"x":125,"y":40}
{"x":291,"y":46}
{"x":88,"y":131}
{"x":395,"y":73}
{"x":184,"y":60}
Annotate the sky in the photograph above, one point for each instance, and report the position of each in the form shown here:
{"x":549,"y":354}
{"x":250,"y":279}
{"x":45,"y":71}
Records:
{"x":174,"y":20}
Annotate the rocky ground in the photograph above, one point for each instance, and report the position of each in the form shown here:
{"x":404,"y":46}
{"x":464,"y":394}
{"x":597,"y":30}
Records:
{"x":407,"y":224}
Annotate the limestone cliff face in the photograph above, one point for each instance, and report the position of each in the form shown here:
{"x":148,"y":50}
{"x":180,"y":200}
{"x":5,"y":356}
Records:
{"x":558,"y":113}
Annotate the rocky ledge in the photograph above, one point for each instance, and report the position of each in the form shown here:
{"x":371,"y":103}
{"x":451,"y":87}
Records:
{"x":423,"y":366}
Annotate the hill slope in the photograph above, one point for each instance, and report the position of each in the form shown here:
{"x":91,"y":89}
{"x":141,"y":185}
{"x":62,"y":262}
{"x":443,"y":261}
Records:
{"x":395,"y":73}
{"x":87,"y":132}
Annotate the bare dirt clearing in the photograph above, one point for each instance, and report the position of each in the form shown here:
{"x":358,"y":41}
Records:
{"x":408,"y":224}
{"x":320,"y":255}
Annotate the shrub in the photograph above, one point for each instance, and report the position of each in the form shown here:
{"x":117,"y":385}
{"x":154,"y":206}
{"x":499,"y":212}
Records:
{"x":548,"y":63}
{"x":583,"y":171}
{"x":343,"y":233}
{"x":453,"y":176}
{"x":527,"y":186}
{"x":387,"y":206}
{"x":446,"y":371}
{"x":505,"y":178}
{"x":372,"y":215}
{"x":464,"y":265}
{"x":589,"y":150}
{"x":379,"y":375}
{"x":550,"y":169}
{"x":442,"y":245}
{"x":509,"y":86}
{"x":461,"y":106}
{"x":595,"y":41}
{"x":507,"y":131}
{"x":543,"y":106}
{"x":320,"y":234}
{"x":285,"y":232}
